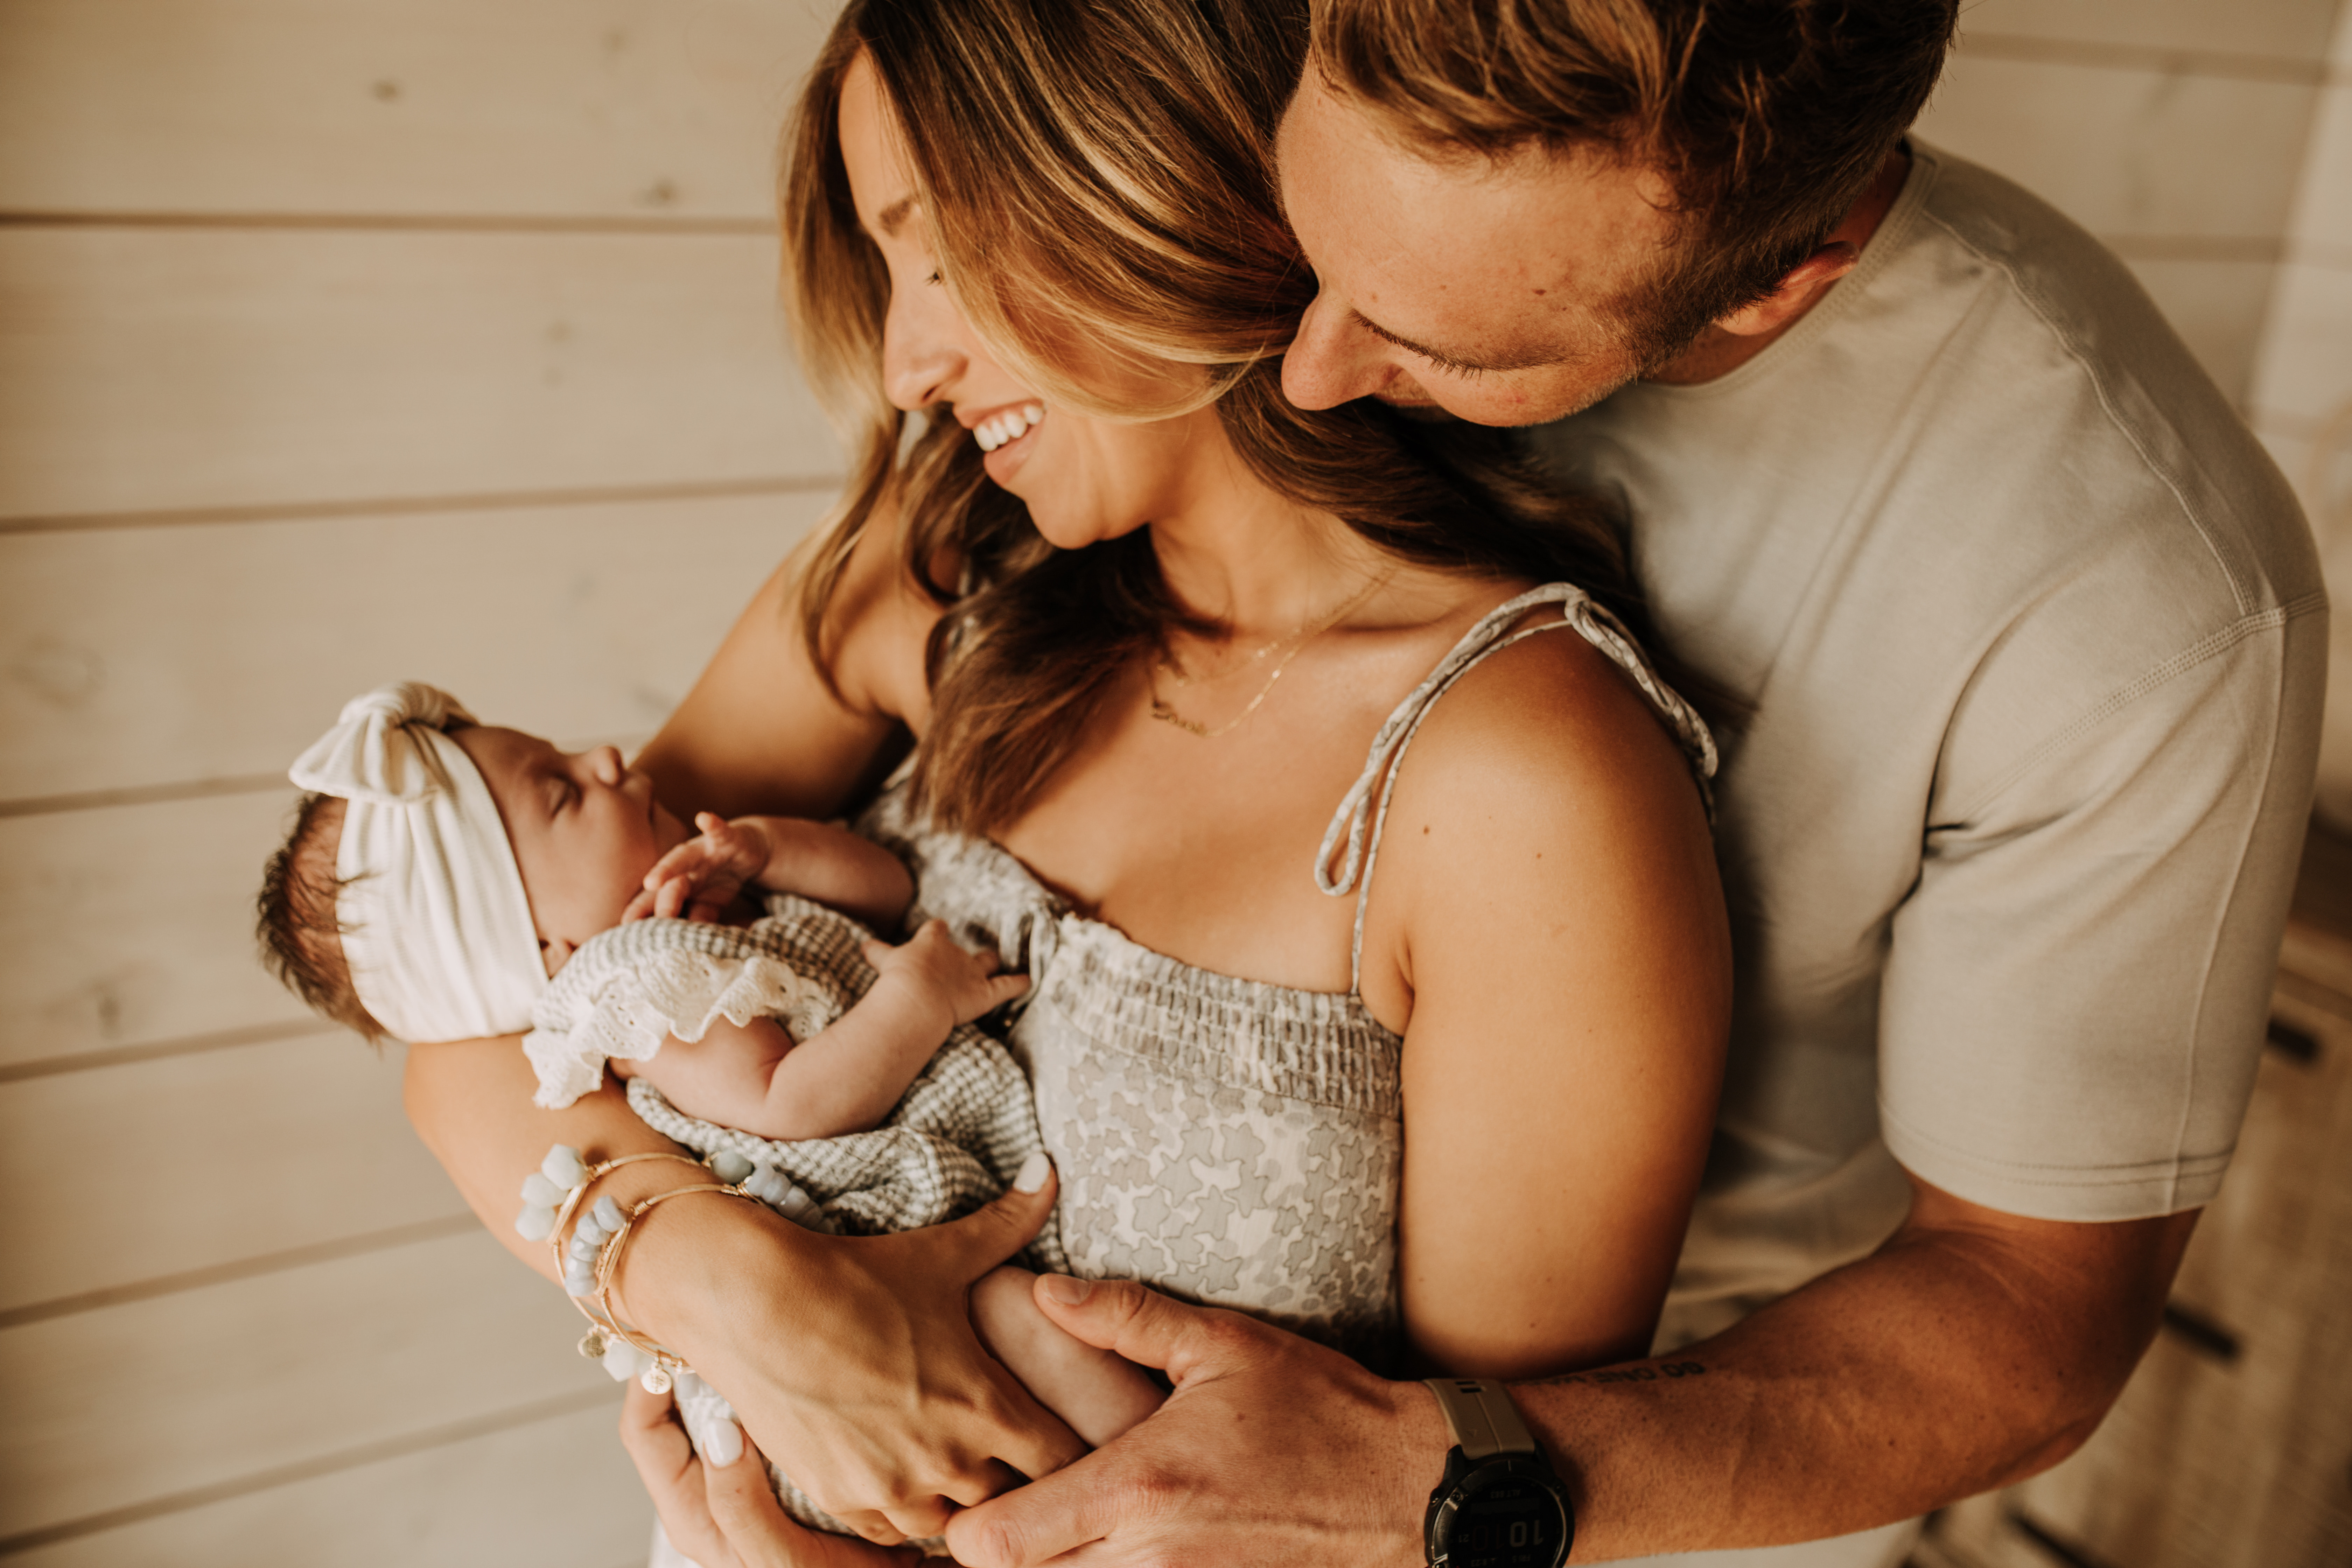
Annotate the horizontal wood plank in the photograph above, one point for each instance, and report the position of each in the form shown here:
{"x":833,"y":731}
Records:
{"x":110,"y":1408}
{"x":263,"y":1149}
{"x":146,"y":370}
{"x":2131,"y":151}
{"x":134,"y":924}
{"x":556,"y":1493}
{"x":145,"y":658}
{"x":606,"y":108}
{"x":2293,"y":29}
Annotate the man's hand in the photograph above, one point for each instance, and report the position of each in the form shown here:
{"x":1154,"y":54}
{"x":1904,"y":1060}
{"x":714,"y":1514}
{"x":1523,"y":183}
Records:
{"x":852,"y":1360}
{"x":1973,"y":1348}
{"x":1272,"y":1450}
{"x":702,"y":876}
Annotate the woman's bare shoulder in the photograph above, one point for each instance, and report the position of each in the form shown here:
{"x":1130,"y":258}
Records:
{"x":1552,"y":722}
{"x":1544,"y":802}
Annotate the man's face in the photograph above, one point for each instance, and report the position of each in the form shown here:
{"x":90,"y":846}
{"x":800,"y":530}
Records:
{"x":1485,"y":289}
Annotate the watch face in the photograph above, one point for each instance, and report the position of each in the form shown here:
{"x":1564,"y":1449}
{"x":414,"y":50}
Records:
{"x":1503,"y":1515}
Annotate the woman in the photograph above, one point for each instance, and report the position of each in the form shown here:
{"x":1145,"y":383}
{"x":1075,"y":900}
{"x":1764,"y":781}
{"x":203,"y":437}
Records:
{"x":1147,"y":623}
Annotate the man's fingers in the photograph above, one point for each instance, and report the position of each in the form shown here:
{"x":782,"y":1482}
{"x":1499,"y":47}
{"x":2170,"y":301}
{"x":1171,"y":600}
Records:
{"x":1037,"y":1522}
{"x":1142,"y":1325}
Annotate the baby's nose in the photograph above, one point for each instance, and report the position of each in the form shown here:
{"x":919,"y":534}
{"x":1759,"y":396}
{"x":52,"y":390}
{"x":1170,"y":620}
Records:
{"x":606,"y":762}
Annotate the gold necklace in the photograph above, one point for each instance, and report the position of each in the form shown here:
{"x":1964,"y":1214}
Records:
{"x":1296,"y":644}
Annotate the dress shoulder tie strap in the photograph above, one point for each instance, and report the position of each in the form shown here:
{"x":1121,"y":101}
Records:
{"x":1360,"y":816}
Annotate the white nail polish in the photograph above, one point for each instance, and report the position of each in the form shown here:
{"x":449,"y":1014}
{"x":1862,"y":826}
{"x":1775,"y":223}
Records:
{"x":723,"y":1444}
{"x":1032,"y":1174}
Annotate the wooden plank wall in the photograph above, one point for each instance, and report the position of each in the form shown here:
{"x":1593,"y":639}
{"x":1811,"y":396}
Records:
{"x":343,"y":340}
{"x":340,"y":341}
{"x":2174,"y":129}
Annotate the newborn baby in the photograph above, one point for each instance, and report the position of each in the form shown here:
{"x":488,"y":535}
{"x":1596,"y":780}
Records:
{"x":451,"y":880}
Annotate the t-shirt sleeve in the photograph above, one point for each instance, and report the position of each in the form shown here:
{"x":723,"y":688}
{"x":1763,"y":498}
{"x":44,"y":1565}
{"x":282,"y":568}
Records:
{"x":2077,"y":990}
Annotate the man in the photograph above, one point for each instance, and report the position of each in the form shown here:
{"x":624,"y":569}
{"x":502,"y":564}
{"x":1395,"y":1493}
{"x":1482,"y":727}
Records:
{"x":2030,"y":638}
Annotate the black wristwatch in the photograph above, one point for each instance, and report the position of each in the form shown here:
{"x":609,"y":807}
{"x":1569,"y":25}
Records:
{"x":1499,"y":1505}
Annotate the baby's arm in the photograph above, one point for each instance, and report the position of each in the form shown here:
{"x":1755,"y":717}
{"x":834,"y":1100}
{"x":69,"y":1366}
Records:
{"x":845,"y":1077}
{"x":784,"y":855}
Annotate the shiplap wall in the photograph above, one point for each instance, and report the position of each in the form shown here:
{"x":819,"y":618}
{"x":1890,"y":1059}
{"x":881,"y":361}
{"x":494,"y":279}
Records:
{"x":340,"y":341}
{"x":2302,"y":399}
{"x":348,"y":340}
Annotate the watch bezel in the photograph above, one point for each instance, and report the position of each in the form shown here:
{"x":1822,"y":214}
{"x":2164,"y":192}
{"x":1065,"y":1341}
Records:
{"x":1465,"y":1479}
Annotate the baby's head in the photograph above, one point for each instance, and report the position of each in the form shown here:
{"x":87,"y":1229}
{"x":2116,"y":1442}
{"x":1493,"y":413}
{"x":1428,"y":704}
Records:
{"x":442,"y":870}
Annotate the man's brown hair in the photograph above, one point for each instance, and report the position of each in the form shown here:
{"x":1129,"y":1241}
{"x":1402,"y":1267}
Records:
{"x":1768,"y":118}
{"x":301,"y":935}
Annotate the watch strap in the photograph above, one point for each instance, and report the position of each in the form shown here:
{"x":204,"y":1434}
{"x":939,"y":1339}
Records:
{"x":1481,"y":1416}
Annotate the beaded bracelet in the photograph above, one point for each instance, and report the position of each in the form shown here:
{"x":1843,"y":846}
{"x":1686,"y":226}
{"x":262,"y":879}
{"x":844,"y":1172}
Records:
{"x":590,"y":1263}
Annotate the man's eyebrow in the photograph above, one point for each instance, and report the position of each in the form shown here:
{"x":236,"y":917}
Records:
{"x":1524,"y":360}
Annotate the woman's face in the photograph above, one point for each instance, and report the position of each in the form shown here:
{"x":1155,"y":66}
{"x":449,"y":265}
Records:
{"x":1085,"y":479}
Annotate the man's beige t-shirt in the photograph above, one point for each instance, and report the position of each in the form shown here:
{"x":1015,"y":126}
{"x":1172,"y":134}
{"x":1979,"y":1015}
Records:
{"x":2034,"y":637}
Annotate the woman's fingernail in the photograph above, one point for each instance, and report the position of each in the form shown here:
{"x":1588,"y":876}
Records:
{"x":1069,"y":1292}
{"x":1033,"y":1172}
{"x":723,"y":1444}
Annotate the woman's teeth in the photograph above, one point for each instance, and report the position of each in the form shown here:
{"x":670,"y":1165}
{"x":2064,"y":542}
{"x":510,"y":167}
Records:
{"x":1010,"y":426}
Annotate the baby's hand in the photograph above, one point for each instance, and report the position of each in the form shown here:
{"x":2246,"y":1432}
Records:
{"x":966,"y":983}
{"x":701,"y":876}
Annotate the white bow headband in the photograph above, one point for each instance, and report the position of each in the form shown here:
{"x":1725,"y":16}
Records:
{"x":437,"y":926}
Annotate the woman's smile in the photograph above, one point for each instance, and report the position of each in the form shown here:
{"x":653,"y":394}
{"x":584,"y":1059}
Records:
{"x":1007,"y":435}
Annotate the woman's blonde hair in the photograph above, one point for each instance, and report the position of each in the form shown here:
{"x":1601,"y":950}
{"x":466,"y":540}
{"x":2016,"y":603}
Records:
{"x":1097,"y":180}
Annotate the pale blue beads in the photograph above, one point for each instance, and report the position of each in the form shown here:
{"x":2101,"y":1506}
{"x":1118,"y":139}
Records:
{"x":598,"y":1225}
{"x":729,"y":1166}
{"x":544,"y":1190}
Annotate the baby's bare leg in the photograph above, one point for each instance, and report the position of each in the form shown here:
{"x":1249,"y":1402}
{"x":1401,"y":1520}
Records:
{"x":1096,"y":1391}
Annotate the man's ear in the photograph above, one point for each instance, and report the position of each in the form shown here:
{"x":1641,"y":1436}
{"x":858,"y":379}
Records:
{"x":555,"y":952}
{"x":1799,"y":287}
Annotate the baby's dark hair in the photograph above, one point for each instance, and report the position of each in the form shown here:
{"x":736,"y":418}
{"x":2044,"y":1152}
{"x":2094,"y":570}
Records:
{"x":302,"y":936}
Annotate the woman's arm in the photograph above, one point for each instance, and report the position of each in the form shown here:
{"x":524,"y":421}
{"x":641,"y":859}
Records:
{"x":1547,"y":911}
{"x":851,"y":1359}
{"x":761,"y":732}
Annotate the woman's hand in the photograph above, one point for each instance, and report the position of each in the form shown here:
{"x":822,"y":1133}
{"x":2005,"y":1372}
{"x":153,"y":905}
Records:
{"x":722,"y":1513}
{"x":701,"y":876}
{"x":854,"y":1358}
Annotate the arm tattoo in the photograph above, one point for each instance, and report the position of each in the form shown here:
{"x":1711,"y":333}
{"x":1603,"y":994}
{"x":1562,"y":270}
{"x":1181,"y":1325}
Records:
{"x":1660,"y":1372}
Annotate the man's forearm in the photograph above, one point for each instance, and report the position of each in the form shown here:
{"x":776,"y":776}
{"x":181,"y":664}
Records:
{"x":1951,"y":1361}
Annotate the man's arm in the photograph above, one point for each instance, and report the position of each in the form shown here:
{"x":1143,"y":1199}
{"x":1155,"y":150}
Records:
{"x":1971,"y":1350}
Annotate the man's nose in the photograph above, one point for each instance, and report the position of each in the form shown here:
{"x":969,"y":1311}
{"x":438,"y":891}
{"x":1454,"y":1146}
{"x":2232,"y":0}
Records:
{"x":1332,"y":360}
